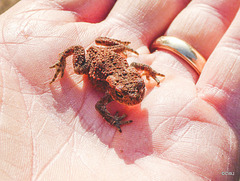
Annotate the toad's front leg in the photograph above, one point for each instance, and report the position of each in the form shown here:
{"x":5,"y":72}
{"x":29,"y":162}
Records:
{"x":80,"y":64}
{"x":113,"y":120}
{"x":148,"y":71}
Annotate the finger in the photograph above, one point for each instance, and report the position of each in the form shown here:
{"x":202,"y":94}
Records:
{"x":202,"y":24}
{"x":87,"y":11}
{"x":145,"y":19}
{"x":92,"y":11}
{"x":219,"y":83}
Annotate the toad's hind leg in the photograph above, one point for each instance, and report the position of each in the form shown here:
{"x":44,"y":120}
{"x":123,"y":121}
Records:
{"x":79,"y":63}
{"x":115,"y":120}
{"x":115,"y":45}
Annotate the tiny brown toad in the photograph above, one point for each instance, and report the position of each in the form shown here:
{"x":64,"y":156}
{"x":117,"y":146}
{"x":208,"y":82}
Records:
{"x":108,"y":70}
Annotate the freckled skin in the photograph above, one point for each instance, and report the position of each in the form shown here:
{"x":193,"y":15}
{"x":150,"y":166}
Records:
{"x":108,"y":71}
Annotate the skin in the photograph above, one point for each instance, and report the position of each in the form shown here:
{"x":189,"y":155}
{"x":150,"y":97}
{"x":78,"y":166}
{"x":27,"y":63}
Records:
{"x":186,"y":129}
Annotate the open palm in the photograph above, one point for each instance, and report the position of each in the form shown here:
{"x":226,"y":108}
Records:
{"x":186,"y":128}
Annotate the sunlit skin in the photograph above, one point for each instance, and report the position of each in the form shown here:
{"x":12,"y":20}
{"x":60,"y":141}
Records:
{"x":187,"y":128}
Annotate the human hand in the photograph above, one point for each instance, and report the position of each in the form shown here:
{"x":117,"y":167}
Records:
{"x":187,"y":128}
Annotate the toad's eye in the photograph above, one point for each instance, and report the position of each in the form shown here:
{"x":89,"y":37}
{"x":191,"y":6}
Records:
{"x":119,"y":94}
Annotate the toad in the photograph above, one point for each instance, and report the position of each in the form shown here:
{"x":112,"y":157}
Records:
{"x":109,"y":71}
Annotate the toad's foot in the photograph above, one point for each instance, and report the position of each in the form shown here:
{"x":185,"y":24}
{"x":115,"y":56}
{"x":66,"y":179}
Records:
{"x":59,"y":66}
{"x":148,"y":71}
{"x":117,"y":121}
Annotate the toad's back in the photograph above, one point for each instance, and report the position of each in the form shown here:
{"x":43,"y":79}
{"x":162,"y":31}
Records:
{"x":103,"y":63}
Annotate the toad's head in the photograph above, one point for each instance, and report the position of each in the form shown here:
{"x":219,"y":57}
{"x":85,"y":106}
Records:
{"x":127,"y":87}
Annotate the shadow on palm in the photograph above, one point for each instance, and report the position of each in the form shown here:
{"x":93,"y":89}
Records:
{"x":157,"y":114}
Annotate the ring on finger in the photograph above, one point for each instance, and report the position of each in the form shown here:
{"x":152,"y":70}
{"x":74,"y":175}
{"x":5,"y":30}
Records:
{"x":182,"y":49}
